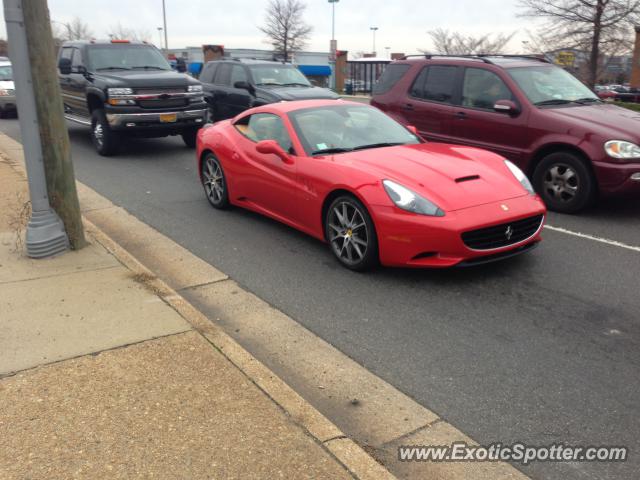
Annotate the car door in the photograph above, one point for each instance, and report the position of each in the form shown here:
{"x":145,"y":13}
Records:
{"x":475,"y":122}
{"x":229,"y":100}
{"x":428,"y":105}
{"x":78,"y":84}
{"x":269,"y":182}
{"x":65,"y":81}
{"x":209,"y":89}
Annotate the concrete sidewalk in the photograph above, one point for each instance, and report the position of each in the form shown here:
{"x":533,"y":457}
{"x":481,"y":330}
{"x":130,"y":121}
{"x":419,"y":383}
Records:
{"x":101,"y":376}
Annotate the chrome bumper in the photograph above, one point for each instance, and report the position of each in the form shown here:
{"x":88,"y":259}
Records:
{"x":7,"y":102}
{"x":117,"y":120}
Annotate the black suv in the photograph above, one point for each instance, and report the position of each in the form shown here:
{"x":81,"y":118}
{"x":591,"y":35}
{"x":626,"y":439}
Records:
{"x":234,"y":85}
{"x":127,"y":88}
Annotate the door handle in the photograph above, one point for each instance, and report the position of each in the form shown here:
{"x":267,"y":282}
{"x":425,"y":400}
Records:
{"x":408,"y":106}
{"x":461,"y":115}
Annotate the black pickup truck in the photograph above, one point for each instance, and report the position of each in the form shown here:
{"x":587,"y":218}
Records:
{"x":127,"y":88}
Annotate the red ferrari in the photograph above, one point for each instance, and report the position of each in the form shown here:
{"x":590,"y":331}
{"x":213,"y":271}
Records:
{"x":351,"y":176}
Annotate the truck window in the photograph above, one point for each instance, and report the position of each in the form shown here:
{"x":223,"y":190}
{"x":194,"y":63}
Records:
{"x":439,"y":84}
{"x":76,"y":60}
{"x":238,"y":74}
{"x":209,"y":71}
{"x":391,"y":75}
{"x":223,"y":75}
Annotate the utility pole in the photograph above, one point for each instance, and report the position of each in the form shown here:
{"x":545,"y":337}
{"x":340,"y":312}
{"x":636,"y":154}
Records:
{"x":374,"y":29}
{"x":44,"y":133}
{"x":166,"y":37}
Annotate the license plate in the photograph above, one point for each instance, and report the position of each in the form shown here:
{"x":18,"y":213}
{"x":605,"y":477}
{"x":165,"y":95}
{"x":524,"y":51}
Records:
{"x":168,"y":117}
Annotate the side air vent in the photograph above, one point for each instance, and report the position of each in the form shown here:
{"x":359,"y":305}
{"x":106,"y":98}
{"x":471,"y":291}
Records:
{"x":467,"y":179}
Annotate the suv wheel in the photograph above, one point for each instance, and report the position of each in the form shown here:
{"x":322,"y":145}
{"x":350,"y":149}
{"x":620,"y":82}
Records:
{"x":104,"y":139}
{"x":564,"y":182}
{"x":189,"y":137}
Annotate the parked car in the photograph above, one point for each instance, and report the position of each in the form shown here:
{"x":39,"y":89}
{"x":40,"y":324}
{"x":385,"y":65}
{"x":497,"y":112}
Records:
{"x":351,"y":176}
{"x":231,"y":86}
{"x":571,"y":144}
{"x":127,"y":88}
{"x":7,"y":89}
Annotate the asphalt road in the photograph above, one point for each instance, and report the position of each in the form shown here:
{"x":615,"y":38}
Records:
{"x":542,"y":349}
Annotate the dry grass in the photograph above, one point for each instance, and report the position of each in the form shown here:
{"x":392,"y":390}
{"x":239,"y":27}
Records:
{"x":20,"y":213}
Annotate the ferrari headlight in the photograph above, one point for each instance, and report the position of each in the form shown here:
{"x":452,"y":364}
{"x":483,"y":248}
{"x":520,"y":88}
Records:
{"x":195,"y":88}
{"x":411,"y":201}
{"x":115,"y":92}
{"x":520,"y":176}
{"x":622,"y":149}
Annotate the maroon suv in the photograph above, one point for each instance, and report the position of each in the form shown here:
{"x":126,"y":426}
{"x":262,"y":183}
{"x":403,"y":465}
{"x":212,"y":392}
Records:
{"x":571,"y":144}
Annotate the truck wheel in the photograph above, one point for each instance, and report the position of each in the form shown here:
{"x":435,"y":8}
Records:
{"x":189,"y":137}
{"x":104,"y":139}
{"x":564,"y":182}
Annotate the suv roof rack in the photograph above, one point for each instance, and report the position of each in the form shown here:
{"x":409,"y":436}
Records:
{"x":483,"y":57}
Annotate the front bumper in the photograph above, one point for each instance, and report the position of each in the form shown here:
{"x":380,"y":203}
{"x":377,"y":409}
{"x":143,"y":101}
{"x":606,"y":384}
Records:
{"x":8,"y":103}
{"x":409,"y":240}
{"x":618,"y":178}
{"x":152,"y":120}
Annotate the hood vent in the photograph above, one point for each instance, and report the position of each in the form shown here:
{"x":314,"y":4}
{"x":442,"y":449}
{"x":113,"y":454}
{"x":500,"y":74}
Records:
{"x":467,"y":179}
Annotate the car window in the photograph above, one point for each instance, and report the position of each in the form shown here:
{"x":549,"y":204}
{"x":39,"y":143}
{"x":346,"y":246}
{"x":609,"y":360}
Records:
{"x":67,"y":52}
{"x":391,"y":75}
{"x":265,"y":126}
{"x":284,"y":74}
{"x":435,"y":83}
{"x":76,"y":60}
{"x":238,"y":74}
{"x":223,"y":75}
{"x":482,"y":89}
{"x":546,"y":83}
{"x":209,"y":71}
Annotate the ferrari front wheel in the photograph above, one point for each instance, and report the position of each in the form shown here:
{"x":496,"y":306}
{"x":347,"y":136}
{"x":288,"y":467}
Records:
{"x":351,"y":234}
{"x":214,"y":182}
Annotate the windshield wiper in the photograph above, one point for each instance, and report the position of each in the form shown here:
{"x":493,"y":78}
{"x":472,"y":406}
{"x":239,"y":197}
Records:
{"x":296,"y":84}
{"x":327,"y":151}
{"x":113,"y":68}
{"x":149,"y":67}
{"x":553,"y":101}
{"x":270,"y":83}
{"x":586,"y":100}
{"x":379,"y":145}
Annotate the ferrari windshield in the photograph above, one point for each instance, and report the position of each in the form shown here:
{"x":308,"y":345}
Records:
{"x":278,"y":75}
{"x":344,"y":128}
{"x":550,"y":85}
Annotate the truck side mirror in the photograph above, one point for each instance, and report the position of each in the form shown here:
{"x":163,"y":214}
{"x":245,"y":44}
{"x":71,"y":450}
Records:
{"x":64,"y":65}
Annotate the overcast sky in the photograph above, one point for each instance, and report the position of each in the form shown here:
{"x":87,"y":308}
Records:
{"x":403,"y":24}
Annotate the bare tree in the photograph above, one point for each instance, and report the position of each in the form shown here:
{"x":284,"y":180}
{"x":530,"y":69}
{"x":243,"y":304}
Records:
{"x":285,"y":28}
{"x":119,"y":31}
{"x":598,"y":27}
{"x":446,"y":42}
{"x":76,"y":29}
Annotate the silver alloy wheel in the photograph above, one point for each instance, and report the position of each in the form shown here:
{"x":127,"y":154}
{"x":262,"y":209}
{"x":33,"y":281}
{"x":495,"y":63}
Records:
{"x":562,"y":182}
{"x":348,"y":235}
{"x":213,"y":180}
{"x":98,"y":133}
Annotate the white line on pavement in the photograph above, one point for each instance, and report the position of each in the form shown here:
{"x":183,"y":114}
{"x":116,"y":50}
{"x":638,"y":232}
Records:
{"x":594,"y":238}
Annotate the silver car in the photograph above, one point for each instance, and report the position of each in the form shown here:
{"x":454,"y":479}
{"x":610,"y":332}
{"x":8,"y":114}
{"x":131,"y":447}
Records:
{"x":7,"y":89}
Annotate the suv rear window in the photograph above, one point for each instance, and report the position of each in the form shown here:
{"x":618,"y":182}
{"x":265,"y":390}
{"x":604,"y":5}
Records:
{"x":435,"y":83}
{"x":391,"y":75}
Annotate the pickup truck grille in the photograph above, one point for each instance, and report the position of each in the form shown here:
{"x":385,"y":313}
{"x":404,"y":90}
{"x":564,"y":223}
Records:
{"x":162,"y":97}
{"x":502,"y":235}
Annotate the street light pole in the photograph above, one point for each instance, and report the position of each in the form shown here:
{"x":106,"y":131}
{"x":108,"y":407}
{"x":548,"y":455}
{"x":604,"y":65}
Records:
{"x":164,"y":18}
{"x":45,"y":235}
{"x":373,"y":29}
{"x":333,"y":45}
{"x":160,"y":37}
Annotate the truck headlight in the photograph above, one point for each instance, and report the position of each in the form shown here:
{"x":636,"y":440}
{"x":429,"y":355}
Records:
{"x":195,"y":89}
{"x":622,"y":149}
{"x":520,"y":176}
{"x":115,"y":92}
{"x":410,"y":201}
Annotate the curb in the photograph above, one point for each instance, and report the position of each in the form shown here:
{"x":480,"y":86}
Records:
{"x":346,"y":452}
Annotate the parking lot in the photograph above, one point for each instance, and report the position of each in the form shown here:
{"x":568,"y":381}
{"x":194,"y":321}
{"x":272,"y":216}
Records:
{"x":542,"y":348}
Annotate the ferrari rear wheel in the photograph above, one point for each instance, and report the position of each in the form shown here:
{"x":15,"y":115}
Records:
{"x":351,"y":234}
{"x":214,"y":182}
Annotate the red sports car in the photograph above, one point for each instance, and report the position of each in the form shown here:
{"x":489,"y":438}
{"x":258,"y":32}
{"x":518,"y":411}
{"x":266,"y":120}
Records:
{"x":351,"y":176}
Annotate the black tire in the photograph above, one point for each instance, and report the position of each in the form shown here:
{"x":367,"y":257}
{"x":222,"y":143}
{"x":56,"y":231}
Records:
{"x":565,"y":182}
{"x":352,"y":236}
{"x":214,"y":182}
{"x":104,"y":139}
{"x":189,"y":137}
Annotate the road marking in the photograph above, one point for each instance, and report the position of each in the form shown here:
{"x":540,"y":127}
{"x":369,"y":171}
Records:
{"x":614,"y":243}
